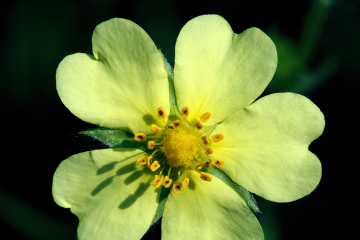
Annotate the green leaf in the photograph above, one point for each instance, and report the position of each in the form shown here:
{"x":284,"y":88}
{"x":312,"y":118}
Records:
{"x":114,"y":138}
{"x":242,"y":192}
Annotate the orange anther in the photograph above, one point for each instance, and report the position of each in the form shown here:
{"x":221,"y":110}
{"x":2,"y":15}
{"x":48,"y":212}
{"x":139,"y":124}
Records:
{"x":141,"y":137}
{"x":205,"y":176}
{"x":161,"y":113}
{"x":205,"y":139}
{"x":150,"y":144}
{"x":157,"y":181}
{"x":198,"y":168}
{"x":185,"y":112}
{"x":217,"y":137}
{"x":218,"y":163}
{"x":185,"y":182}
{"x":149,"y":161}
{"x":205,"y":117}
{"x":142,"y":160}
{"x":176,"y":123}
{"x":154,"y":166}
{"x":167,"y":182}
{"x":208,"y":150}
{"x":177,"y":187}
{"x":207,"y":164}
{"x":199,"y":125}
{"x":155,"y":129}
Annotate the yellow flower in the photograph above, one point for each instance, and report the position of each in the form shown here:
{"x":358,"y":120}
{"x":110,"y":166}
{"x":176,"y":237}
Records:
{"x":211,"y":121}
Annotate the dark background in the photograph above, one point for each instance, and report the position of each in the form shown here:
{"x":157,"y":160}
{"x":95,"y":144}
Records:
{"x":319,"y":57}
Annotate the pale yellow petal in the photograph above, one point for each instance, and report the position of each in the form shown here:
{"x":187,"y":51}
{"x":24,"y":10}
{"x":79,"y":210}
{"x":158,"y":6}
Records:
{"x":208,"y":210}
{"x":265,"y":148}
{"x":218,"y":71}
{"x":108,"y":192}
{"x":122,"y":85}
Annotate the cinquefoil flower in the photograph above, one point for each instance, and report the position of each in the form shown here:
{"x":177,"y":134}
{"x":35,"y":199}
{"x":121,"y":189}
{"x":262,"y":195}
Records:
{"x":193,"y":130}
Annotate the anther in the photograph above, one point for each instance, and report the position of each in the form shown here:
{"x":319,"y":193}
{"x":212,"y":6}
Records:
{"x":217,"y":137}
{"x":199,"y":125}
{"x":154,"y":166}
{"x":198,"y":168}
{"x":150,"y":144}
{"x":218,"y":163}
{"x":205,"y":139}
{"x":149,"y":161}
{"x":167,"y":182}
{"x":207,"y":164}
{"x":177,"y":187}
{"x":161,"y":113}
{"x":176,"y":123}
{"x":142,"y":160}
{"x":185,"y":182}
{"x":205,"y":117}
{"x":155,"y":129}
{"x":141,"y":137}
{"x":171,"y":126}
{"x":157,"y":181}
{"x":208,"y":150}
{"x":205,"y":176}
{"x":185,"y":112}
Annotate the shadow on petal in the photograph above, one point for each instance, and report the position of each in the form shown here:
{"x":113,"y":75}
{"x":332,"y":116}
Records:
{"x":192,"y":185}
{"x":101,"y":186}
{"x":111,"y":166}
{"x":126,"y":169}
{"x":149,"y":119}
{"x":106,"y":168}
{"x":130,"y":200}
{"x":133,"y":177}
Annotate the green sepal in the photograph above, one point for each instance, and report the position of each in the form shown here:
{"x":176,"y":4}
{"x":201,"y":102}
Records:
{"x":162,"y":200}
{"x":242,"y":192}
{"x":114,"y":138}
{"x":163,"y":197}
{"x":174,"y":111}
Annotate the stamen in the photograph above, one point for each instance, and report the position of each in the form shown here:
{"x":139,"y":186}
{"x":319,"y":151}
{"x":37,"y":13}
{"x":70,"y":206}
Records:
{"x":169,"y":170}
{"x":154,"y":166}
{"x":199,"y":125}
{"x":185,"y":182}
{"x":141,"y":137}
{"x":157,"y":181}
{"x":205,"y":117}
{"x":142,"y":160}
{"x":198,"y":168}
{"x":148,"y":161}
{"x":176,"y":123}
{"x":217,"y":137}
{"x":205,"y":139}
{"x":185,"y":112}
{"x":205,"y":176}
{"x":167,"y":182}
{"x":177,"y":187}
{"x":161,"y":113}
{"x":207,"y":164}
{"x":171,"y":126}
{"x":208,"y":150}
{"x":150,"y":144}
{"x":155,"y":129}
{"x":218,"y":163}
{"x":155,"y":152}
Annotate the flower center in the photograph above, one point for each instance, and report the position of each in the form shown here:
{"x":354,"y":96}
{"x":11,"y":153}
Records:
{"x":181,"y":146}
